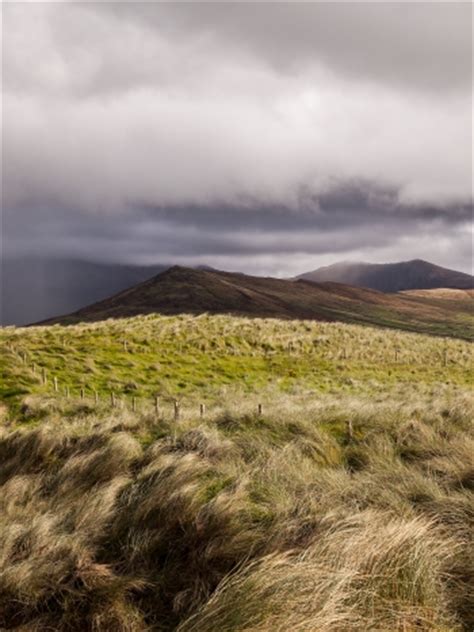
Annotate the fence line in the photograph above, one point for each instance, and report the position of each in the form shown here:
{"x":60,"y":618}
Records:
{"x":116,"y":402}
{"x":399,"y":354}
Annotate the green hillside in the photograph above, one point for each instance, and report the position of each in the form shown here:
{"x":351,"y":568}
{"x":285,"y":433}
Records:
{"x":199,"y":356}
{"x":326,"y":485}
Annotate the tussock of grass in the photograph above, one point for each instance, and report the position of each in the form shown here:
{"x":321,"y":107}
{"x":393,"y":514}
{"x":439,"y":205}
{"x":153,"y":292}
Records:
{"x":367,"y":571}
{"x":113,"y":521}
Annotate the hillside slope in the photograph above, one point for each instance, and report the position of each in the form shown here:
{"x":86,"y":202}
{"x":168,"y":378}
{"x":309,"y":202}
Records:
{"x":123,"y":522}
{"x":325,"y":485}
{"x":392,"y":277}
{"x":185,"y":290}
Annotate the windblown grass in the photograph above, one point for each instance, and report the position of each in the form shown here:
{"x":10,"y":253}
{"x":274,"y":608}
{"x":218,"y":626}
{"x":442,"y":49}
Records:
{"x":113,"y":521}
{"x":199,"y":356}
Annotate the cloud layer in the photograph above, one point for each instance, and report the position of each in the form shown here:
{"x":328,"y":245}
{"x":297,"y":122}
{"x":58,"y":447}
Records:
{"x":211,"y":131}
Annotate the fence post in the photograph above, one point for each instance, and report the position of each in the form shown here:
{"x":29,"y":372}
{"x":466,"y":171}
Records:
{"x":157,"y":405}
{"x":134,"y":404}
{"x":112,"y":400}
{"x":44,"y":377}
{"x":445,"y":356}
{"x":350,"y":430}
{"x":67,"y":392}
{"x":259,"y":409}
{"x":55,"y":382}
{"x":82,"y":393}
{"x":202,"y":410}
{"x":176,"y":410}
{"x":96,"y":397}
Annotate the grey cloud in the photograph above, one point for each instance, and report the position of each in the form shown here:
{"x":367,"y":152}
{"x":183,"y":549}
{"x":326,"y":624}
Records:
{"x":111,"y":104}
{"x":108,"y":47}
{"x":238,"y":134}
{"x":356,"y":216}
{"x":424,"y":45}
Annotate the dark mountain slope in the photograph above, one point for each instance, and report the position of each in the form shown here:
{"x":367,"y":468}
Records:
{"x":392,"y":277}
{"x":184,"y":290}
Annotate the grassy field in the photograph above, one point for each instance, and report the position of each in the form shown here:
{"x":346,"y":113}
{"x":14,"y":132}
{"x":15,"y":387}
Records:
{"x":346,"y":504}
{"x":204,"y":357}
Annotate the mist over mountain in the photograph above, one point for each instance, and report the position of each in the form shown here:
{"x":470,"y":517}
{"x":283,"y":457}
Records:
{"x":36,"y":288}
{"x":392,"y":277}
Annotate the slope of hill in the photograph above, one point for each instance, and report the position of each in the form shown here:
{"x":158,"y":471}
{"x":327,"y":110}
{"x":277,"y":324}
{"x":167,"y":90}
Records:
{"x":185,"y":354}
{"x":392,"y":277}
{"x":343,"y":503}
{"x":184,"y":290}
{"x":443,"y":294}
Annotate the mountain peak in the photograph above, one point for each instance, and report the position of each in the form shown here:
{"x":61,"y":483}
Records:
{"x":416,"y":274}
{"x":181,"y":290}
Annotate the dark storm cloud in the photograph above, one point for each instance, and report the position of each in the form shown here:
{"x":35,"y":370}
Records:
{"x":265,"y":137}
{"x":270,"y":240}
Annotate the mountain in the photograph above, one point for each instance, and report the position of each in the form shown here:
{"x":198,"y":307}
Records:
{"x":36,"y":288}
{"x":392,"y":277}
{"x":185,"y":290}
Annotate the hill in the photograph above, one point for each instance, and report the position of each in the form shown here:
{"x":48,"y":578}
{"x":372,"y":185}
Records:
{"x":343,"y":503}
{"x":451,"y":294}
{"x":392,"y":277}
{"x":173,"y":355}
{"x":185,"y":290}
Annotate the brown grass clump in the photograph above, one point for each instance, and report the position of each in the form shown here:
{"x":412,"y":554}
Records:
{"x":114,"y":521}
{"x":370,"y":569}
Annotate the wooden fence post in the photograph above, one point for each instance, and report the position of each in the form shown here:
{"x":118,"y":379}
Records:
{"x":82,"y":393}
{"x":157,"y":405}
{"x":259,"y":409}
{"x":96,"y":397}
{"x":67,"y":392}
{"x":134,"y":404}
{"x":44,"y":377}
{"x":55,"y":382}
{"x":176,"y":410}
{"x":112,"y":400}
{"x":202,"y":410}
{"x":445,"y":356}
{"x":350,"y":430}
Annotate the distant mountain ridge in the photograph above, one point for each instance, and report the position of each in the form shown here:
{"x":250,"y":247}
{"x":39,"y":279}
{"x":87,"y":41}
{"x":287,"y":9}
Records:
{"x":37,"y":288}
{"x":186,"y":290}
{"x":392,"y":277}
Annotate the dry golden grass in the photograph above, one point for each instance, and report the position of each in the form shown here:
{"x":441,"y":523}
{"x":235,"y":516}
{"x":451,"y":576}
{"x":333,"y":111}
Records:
{"x":113,"y":521}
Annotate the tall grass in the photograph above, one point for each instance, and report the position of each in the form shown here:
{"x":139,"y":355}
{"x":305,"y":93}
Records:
{"x":113,"y":521}
{"x":199,"y":356}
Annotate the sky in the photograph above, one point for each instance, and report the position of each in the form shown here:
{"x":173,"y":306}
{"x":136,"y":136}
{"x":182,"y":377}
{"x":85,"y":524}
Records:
{"x":270,"y":138}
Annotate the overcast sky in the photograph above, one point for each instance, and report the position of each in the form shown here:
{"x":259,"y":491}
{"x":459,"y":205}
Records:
{"x":263,"y":137}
